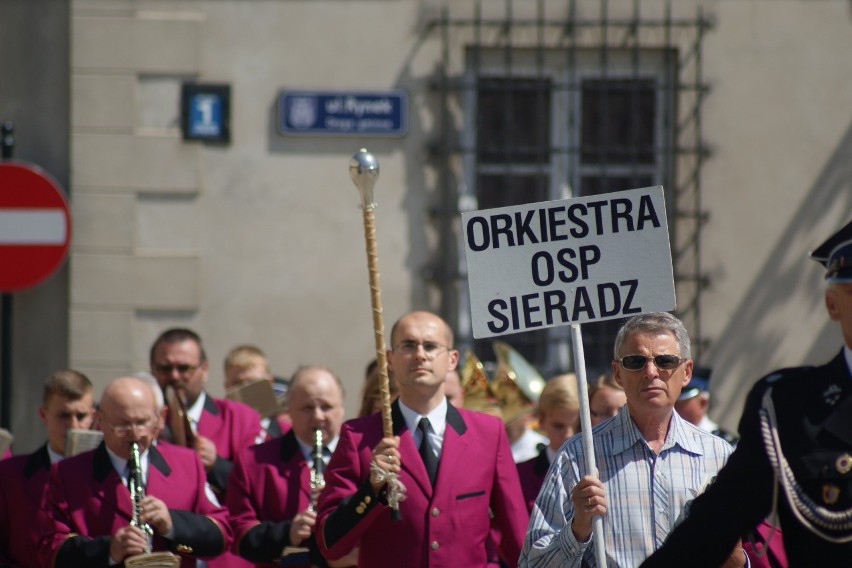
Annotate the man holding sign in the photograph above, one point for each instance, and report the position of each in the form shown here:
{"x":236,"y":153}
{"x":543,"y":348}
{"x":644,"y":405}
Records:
{"x":651,"y":462}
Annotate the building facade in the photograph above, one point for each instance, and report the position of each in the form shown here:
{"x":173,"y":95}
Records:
{"x":738,"y":109}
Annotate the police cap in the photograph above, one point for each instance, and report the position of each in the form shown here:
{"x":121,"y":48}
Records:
{"x":835,"y":254}
{"x":699,"y":383}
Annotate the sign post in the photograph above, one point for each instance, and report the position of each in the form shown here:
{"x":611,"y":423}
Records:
{"x":35,"y":231}
{"x":568,"y":262}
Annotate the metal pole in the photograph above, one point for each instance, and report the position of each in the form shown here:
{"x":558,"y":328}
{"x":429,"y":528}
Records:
{"x":7,"y":145}
{"x":586,"y":432}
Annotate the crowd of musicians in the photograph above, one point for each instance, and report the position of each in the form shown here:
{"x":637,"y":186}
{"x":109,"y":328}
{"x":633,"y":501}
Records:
{"x":212,"y":482}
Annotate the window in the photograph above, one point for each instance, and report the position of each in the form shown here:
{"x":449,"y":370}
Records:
{"x":546,"y":132}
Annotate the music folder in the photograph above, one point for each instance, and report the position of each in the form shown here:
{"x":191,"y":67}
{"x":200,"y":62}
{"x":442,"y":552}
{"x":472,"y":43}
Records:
{"x":257,"y":394}
{"x":78,"y":441}
{"x":6,"y":439}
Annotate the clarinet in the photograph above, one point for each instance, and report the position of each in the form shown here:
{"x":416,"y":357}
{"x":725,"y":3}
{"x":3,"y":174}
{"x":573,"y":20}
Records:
{"x":317,"y":466}
{"x":137,"y":493}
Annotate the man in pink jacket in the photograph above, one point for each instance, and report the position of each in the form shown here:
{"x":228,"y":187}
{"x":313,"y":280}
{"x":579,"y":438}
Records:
{"x":88,"y":505}
{"x":220,"y":427}
{"x":456,"y":466}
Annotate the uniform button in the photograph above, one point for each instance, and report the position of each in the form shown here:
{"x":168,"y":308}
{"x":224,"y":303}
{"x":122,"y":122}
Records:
{"x":435,"y":545}
{"x":436,"y":511}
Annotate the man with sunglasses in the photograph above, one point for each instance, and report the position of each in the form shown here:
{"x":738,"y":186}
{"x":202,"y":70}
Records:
{"x":88,"y":510}
{"x":651,"y":462}
{"x":794,"y":457}
{"x":220,"y":427}
{"x":456,"y":466}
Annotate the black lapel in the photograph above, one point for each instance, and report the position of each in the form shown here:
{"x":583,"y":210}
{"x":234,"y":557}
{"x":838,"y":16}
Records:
{"x":209,"y":405}
{"x":541,"y":462}
{"x":156,"y":459}
{"x":396,"y":418}
{"x":289,"y":446}
{"x":37,"y":460}
{"x":101,"y":463}
{"x":454,"y":419}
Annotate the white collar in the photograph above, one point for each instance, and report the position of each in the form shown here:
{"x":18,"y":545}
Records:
{"x":308,"y":451}
{"x":54,"y":456}
{"x":437,"y":417}
{"x":194,"y":411}
{"x":120,"y":465}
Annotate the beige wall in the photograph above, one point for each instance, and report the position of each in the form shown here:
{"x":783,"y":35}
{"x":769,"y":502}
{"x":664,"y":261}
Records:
{"x":261,"y":241}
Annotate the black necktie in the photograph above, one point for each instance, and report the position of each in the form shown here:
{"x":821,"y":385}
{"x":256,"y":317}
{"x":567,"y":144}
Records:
{"x":426,"y":453}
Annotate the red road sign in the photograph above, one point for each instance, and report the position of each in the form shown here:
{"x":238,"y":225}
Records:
{"x":35,"y":226}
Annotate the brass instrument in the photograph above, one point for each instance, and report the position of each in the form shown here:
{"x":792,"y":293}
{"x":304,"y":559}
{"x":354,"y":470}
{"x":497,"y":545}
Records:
{"x":511,"y":393}
{"x":147,"y":559}
{"x":178,"y":419}
{"x":317,"y":467}
{"x":479,"y":393}
{"x":516,"y":382}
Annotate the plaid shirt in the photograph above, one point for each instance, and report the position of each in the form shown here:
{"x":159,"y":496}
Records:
{"x":645,"y":492}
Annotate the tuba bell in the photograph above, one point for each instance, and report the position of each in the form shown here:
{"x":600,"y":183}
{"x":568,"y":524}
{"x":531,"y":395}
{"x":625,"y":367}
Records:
{"x":478,"y":394}
{"x":517,"y":384}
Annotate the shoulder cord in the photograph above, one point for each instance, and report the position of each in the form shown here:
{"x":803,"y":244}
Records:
{"x":812,"y":515}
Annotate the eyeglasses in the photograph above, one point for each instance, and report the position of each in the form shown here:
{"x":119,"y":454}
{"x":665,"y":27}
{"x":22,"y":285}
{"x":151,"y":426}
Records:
{"x":638,"y":362}
{"x":182,"y":368}
{"x":122,"y":430}
{"x":430,"y":348}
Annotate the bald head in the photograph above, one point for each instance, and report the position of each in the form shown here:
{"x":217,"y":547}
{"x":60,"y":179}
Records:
{"x":127,"y":392}
{"x":315,"y":400}
{"x":128,"y":413}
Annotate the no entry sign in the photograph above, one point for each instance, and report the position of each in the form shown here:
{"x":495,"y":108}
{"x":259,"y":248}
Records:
{"x":35,"y":226}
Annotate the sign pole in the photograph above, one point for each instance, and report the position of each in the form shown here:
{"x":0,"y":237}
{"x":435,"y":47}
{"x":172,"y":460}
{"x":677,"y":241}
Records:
{"x":586,"y":434}
{"x":7,"y":143}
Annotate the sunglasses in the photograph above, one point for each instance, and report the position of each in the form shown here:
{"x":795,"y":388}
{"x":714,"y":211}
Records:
{"x":182,"y":368}
{"x":638,"y":362}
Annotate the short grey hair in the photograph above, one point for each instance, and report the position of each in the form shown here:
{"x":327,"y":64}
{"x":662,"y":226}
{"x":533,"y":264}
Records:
{"x":653,"y":323}
{"x":149,"y":379}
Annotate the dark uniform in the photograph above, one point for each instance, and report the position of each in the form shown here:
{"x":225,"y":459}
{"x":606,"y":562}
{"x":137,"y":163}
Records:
{"x":796,"y":439}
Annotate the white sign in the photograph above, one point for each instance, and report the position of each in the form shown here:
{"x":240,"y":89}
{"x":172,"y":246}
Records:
{"x":568,"y":261}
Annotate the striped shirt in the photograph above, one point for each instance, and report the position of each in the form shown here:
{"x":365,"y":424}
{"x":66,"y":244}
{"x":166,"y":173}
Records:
{"x":645,"y":492}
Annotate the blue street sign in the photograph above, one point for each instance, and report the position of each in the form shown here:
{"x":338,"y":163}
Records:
{"x":206,"y":112}
{"x":382,"y":113}
{"x":205,"y":115}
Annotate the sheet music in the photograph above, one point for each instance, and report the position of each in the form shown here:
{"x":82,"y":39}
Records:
{"x":6,"y":439}
{"x":78,"y":441}
{"x":257,"y":394}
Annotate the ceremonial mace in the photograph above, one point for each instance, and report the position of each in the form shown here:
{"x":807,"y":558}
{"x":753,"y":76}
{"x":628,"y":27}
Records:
{"x":364,"y":171}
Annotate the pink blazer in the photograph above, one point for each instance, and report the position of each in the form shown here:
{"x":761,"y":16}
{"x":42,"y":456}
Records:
{"x":532,"y":473}
{"x":23,"y":483}
{"x":232,"y":426}
{"x":445,"y":526}
{"x":269,"y":485}
{"x":87,"y":502}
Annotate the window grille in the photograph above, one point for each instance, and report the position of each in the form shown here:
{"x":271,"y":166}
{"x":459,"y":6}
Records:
{"x":540,"y":103}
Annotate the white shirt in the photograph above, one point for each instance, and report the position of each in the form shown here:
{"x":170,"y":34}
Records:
{"x":194,"y":411}
{"x":437,"y":421}
{"x":526,"y":447}
{"x":646,"y":492}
